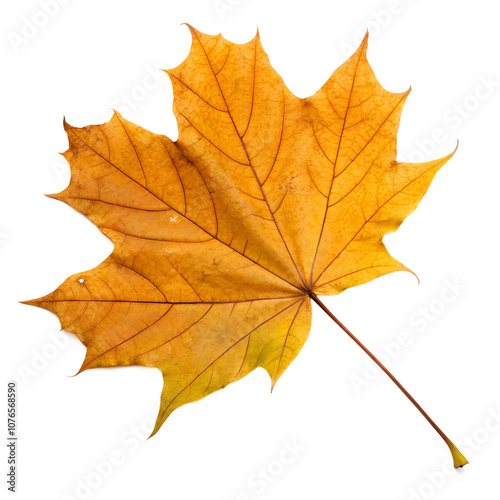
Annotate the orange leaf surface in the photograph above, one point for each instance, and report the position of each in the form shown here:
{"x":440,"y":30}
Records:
{"x":223,"y":237}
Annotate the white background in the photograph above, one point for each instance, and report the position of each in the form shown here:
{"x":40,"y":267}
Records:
{"x":355,"y":443}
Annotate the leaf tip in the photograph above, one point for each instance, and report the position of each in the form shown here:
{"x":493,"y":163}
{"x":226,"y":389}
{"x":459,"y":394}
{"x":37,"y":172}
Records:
{"x":116,"y":114}
{"x":34,"y":302}
{"x":365,"y":38}
{"x":53,"y":196}
{"x":449,"y":156}
{"x":66,"y":125}
{"x":28,"y":302}
{"x":192,"y":30}
{"x":75,"y":374}
{"x":274,"y":380}
{"x":80,"y":370}
{"x":363,"y":46}
{"x":414,"y":274}
{"x":158,"y":424}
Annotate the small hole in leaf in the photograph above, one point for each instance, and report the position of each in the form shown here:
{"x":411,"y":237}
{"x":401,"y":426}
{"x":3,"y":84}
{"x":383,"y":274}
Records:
{"x":81,"y":280}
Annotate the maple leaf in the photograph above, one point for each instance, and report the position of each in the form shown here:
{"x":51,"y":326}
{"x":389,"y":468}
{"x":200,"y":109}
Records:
{"x":223,"y":237}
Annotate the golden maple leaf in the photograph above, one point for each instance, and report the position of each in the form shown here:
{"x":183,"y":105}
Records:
{"x":223,"y":237}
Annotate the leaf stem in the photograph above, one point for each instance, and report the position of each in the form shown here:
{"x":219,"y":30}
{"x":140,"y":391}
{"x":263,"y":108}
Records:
{"x":458,"y":459}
